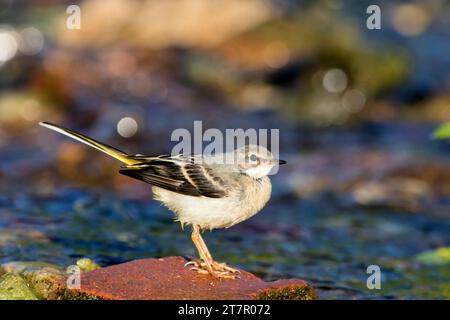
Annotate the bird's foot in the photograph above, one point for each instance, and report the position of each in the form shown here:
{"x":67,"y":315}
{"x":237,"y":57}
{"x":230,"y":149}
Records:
{"x":217,"y":270}
{"x":222,"y":266}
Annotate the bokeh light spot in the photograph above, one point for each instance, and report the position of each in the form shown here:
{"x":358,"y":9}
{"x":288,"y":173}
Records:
{"x":8,"y":46}
{"x":276,"y":55}
{"x":353,"y":100}
{"x":335,"y":81}
{"x":410,"y":20}
{"x":127,"y":127}
{"x":32,"y":41}
{"x":31,"y":110}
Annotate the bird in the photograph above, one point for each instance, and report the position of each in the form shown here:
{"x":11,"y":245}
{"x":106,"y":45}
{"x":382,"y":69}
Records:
{"x":205,"y":192}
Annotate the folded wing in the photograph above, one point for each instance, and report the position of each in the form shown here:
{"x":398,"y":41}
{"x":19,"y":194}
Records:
{"x":177,"y":174}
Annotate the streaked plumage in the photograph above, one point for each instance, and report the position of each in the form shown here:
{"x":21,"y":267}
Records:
{"x":180,"y":174}
{"x":205,"y":192}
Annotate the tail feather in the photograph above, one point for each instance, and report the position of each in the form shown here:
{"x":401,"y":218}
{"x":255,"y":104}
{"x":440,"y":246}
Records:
{"x":113,"y":152}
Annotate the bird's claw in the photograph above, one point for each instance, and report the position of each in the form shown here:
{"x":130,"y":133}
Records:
{"x":218,"y":270}
{"x":190,"y":263}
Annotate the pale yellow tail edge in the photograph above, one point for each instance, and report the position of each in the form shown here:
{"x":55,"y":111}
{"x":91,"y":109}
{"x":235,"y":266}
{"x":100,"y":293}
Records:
{"x":111,"y":151}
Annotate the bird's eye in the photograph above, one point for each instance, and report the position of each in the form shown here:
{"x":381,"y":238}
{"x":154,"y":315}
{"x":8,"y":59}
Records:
{"x":253,"y":157}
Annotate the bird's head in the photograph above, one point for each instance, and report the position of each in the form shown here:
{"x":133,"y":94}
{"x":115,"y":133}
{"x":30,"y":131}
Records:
{"x":255,"y":161}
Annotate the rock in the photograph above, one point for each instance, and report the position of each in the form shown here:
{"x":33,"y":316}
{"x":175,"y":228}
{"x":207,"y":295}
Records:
{"x":14,"y":287}
{"x":22,"y":266}
{"x":45,"y":280}
{"x":405,"y":194}
{"x":169,"y":279}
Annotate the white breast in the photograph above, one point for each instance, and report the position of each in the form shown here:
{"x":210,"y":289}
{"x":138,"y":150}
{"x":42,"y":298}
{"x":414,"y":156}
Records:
{"x":213,"y":213}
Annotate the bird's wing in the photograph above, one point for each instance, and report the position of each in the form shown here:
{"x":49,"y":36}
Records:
{"x":179,"y":174}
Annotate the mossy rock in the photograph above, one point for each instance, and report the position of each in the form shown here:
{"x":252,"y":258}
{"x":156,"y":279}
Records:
{"x":14,"y":287}
{"x":305,"y":292}
{"x":46,"y":281}
{"x":21,"y":266}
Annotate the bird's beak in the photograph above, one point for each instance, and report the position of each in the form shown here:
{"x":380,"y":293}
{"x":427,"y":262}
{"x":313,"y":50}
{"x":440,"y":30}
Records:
{"x":276,"y":162}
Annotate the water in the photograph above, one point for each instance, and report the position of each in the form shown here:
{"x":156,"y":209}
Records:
{"x":324,"y":237}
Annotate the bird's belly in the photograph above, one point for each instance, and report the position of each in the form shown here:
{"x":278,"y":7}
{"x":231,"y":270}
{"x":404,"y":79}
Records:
{"x":214,"y":213}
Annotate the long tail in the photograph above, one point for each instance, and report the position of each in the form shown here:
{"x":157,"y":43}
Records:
{"x":113,"y":152}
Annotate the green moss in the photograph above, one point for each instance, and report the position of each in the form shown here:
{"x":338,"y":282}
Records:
{"x":14,"y":287}
{"x":440,"y":256}
{"x":40,"y":280}
{"x":45,"y":283}
{"x":305,"y":292}
{"x":87,"y":265}
{"x":67,"y":294}
{"x":443,"y":131}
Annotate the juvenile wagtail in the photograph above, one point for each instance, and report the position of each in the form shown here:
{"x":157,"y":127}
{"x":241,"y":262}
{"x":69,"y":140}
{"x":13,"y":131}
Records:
{"x":205,"y":192}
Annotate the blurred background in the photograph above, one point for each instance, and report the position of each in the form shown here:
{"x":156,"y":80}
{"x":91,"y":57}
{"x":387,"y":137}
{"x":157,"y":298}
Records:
{"x":365,"y":183}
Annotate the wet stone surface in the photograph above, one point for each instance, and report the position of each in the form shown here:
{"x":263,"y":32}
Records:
{"x":169,"y":279}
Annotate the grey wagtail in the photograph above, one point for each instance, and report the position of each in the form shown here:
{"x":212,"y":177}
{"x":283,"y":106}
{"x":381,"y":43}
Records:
{"x":206,"y":192}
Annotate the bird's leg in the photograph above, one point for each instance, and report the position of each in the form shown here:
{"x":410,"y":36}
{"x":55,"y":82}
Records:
{"x":199,"y":244}
{"x":217,"y":266}
{"x":220,"y":270}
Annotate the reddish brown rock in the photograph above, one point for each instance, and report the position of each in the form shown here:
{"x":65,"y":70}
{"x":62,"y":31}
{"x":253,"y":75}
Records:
{"x":169,"y":279}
